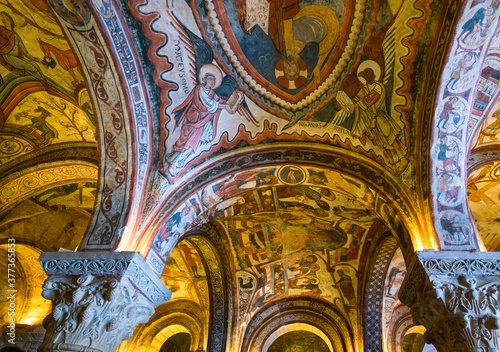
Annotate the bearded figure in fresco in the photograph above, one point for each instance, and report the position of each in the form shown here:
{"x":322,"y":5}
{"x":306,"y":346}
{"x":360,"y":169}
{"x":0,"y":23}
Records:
{"x":373,"y":120}
{"x":292,"y":28}
{"x":13,"y":54}
{"x":197,"y":117}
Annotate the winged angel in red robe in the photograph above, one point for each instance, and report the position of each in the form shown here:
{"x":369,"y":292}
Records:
{"x":198,"y":115}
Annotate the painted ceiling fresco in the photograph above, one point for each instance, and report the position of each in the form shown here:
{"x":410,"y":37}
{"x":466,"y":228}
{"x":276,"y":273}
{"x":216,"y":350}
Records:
{"x":299,"y":341}
{"x":483,"y":192}
{"x":185,"y":276}
{"x":324,"y":71}
{"x":31,"y":307}
{"x":48,"y":147}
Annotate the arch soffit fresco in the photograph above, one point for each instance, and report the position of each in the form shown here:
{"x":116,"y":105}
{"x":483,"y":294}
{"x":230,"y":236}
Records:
{"x":166,"y":86}
{"x":121,"y":116}
{"x":461,"y":102}
{"x":213,"y":194}
{"x":103,"y":15}
{"x":163,"y":67}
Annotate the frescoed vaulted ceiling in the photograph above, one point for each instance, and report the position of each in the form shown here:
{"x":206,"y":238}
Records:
{"x":302,"y":135}
{"x":48,"y":158}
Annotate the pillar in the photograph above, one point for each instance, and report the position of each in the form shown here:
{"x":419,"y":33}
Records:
{"x":97,"y":299}
{"x":455,"y":296}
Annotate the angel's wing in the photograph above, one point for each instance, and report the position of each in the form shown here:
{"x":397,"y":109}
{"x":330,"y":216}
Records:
{"x":200,"y":52}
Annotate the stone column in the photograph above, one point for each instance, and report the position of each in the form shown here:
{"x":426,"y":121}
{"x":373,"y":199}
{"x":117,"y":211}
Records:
{"x":97,"y":299}
{"x":455,"y":295}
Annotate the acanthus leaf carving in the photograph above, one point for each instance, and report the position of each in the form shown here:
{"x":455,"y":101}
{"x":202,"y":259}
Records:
{"x":97,"y":301}
{"x":456,"y":300}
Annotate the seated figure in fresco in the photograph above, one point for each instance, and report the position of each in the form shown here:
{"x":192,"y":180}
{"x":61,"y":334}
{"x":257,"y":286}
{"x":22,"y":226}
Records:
{"x":291,"y":28}
{"x":13,"y":54}
{"x":197,"y":118}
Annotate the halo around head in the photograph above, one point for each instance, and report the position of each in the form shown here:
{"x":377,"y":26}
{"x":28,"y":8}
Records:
{"x":212,"y":69}
{"x":369,"y":64}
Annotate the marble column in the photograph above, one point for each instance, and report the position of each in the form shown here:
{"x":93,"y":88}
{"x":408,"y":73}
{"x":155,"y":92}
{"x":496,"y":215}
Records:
{"x":97,"y":299}
{"x":455,"y":296}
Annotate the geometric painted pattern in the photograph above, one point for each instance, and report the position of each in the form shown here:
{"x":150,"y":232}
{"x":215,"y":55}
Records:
{"x":374,"y":295}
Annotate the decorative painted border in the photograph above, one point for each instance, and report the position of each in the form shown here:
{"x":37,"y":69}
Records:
{"x":43,"y":176}
{"x":374,"y":292}
{"x":317,"y":312}
{"x":453,"y":221}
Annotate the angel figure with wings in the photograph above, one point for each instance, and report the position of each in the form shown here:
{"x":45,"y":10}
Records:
{"x":197,"y":116}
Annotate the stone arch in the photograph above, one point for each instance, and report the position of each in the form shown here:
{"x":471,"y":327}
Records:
{"x":374,"y":289}
{"x":121,"y":105}
{"x":313,"y":312}
{"x":400,"y":327}
{"x":397,"y":212}
{"x":169,"y":318}
{"x":215,"y":258}
{"x":467,"y":57}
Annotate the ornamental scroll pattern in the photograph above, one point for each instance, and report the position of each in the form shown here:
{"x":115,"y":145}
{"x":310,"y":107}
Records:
{"x":11,"y":190}
{"x":457,"y":301}
{"x":106,"y":92}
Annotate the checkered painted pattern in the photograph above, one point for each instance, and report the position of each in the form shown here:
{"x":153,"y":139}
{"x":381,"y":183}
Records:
{"x":372,"y":329}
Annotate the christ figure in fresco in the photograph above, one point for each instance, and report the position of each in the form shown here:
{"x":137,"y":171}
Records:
{"x":291,"y":28}
{"x":197,"y":117}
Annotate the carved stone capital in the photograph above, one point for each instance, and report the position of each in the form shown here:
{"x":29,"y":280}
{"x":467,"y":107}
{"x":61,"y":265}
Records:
{"x":97,"y":299}
{"x":456,"y":296}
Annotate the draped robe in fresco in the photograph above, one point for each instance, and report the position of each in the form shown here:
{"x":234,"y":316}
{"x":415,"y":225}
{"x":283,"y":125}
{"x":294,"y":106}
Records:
{"x":195,"y":115}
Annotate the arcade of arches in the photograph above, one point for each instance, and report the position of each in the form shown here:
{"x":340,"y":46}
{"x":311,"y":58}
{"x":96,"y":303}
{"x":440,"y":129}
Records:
{"x":249,"y":175}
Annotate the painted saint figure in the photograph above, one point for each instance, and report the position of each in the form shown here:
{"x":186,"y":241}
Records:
{"x":291,"y":28}
{"x":197,"y":117}
{"x":373,"y":120}
{"x":13,"y":54}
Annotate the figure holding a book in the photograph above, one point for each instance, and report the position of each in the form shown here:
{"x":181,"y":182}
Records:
{"x":198,"y":115}
{"x":371,"y":118}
